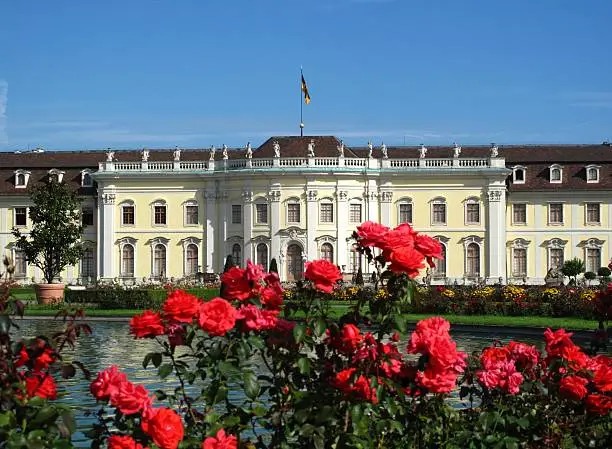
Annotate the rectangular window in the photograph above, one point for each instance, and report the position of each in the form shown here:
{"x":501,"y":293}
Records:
{"x":593,"y":262}
{"x":355,"y":213}
{"x":159,"y":215}
{"x":592,"y":213}
{"x":236,"y":214}
{"x":21,"y":266}
{"x":472,"y":213}
{"x":519,"y":213}
{"x":555,"y":213}
{"x":88,"y":269}
{"x":519,"y":262}
{"x":21,"y":216}
{"x":439,"y":214}
{"x":556,"y":259}
{"x":405,"y":213}
{"x":293,"y":213}
{"x":261,"y":213}
{"x":87,"y":216}
{"x":127,"y":215}
{"x":327,"y":213}
{"x":191,"y":215}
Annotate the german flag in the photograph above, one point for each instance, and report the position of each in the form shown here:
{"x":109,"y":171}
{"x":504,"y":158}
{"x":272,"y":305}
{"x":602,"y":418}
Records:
{"x":305,"y":90}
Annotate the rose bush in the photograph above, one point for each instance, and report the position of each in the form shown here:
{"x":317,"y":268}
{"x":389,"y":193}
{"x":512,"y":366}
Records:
{"x":248,"y":372}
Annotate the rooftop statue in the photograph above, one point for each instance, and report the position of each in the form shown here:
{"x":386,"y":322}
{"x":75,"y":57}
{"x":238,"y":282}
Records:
{"x":249,"y":151}
{"x":276,"y":147}
{"x":456,"y":151}
{"x":311,"y":147}
{"x":110,"y":155}
{"x":383,"y":149}
{"x":145,"y":155}
{"x":341,"y":149}
{"x":212,"y":152}
{"x":177,"y":155}
{"x":225,"y":156}
{"x":370,"y":150}
{"x":422,"y":151}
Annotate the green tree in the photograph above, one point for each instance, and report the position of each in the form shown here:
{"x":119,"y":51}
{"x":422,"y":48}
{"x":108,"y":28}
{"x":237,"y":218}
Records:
{"x":572,"y":268}
{"x":52,"y":243}
{"x":229,"y":263}
{"x":273,"y":266}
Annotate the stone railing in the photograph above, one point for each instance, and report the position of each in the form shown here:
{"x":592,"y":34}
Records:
{"x":303,"y":163}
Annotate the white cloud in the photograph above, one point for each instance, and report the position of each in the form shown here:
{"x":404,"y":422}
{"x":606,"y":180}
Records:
{"x":3,"y":106}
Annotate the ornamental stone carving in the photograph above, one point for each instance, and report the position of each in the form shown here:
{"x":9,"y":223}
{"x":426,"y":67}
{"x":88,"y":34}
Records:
{"x":422,"y":151}
{"x":495,"y":196}
{"x":247,"y":196}
{"x":176,"y":155}
{"x":383,"y":149}
{"x":108,"y":198}
{"x":212,"y":152}
{"x":249,"y":151}
{"x":386,"y":196}
{"x":311,"y":195}
{"x":340,"y":149}
{"x":110,"y":155}
{"x":276,"y":147}
{"x":144,"y":155}
{"x":494,"y":150}
{"x":342,"y":195}
{"x":225,"y":155}
{"x":456,"y":151}
{"x":371,"y":196}
{"x":274,"y":196}
{"x":370,"y":150}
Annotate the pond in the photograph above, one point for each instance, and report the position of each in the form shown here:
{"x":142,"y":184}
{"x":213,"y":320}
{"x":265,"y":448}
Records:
{"x":111,"y":344}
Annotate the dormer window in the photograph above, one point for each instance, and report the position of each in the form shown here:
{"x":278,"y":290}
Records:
{"x":21,"y":179}
{"x":592,"y":174}
{"x":56,"y":175}
{"x":518,"y":174}
{"x":86,"y":180}
{"x":555,"y":173}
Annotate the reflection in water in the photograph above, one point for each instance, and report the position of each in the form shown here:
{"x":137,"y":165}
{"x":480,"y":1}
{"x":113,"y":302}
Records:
{"x":111,"y":344}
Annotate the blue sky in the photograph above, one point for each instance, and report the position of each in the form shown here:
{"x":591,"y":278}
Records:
{"x":127,"y":74}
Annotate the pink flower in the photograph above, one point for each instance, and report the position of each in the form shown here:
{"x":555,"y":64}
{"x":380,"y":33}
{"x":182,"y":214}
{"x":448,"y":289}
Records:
{"x":254,"y":318}
{"x":106,"y":385}
{"x":220,"y":441}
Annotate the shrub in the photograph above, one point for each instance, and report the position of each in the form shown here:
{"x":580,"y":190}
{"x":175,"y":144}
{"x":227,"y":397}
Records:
{"x":118,"y":298}
{"x":589,"y":275}
{"x":604,"y":272}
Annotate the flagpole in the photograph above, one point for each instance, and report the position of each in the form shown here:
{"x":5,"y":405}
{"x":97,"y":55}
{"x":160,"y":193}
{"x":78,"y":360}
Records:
{"x":301,"y":106}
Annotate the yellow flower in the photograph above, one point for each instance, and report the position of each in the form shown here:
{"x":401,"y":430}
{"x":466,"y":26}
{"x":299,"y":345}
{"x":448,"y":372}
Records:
{"x":588,"y":295}
{"x":483,"y":292}
{"x":448,"y":293}
{"x":513,"y":292}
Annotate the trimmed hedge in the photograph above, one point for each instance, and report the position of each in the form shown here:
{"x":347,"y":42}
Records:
{"x":107,"y":299}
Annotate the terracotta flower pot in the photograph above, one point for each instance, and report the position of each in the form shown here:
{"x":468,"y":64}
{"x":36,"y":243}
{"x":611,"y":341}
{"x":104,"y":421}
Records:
{"x":49,"y":293}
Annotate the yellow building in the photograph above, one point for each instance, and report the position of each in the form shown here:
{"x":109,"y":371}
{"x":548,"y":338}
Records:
{"x":503,"y":214}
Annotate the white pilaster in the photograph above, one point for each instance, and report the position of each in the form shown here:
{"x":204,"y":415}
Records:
{"x":274,"y":197}
{"x":106,"y":243}
{"x":211,"y":218}
{"x":247,"y":230}
{"x":496,"y":233}
{"x":372,"y":201}
{"x":342,"y":216}
{"x":386,"y":198}
{"x":311,"y":223}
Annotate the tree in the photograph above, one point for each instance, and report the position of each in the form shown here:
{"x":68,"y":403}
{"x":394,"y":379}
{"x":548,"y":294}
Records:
{"x":229,"y":263}
{"x":572,"y":268}
{"x":53,"y":241}
{"x":273,"y":266}
{"x":359,"y":277}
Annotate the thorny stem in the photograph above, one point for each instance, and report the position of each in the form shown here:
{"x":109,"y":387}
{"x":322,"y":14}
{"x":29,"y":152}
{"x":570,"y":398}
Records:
{"x":182,"y":382}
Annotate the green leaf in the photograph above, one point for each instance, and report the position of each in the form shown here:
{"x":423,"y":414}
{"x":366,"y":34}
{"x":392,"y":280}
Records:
{"x":320,"y":327}
{"x":401,"y":324}
{"x":69,"y":421}
{"x":318,"y":441}
{"x":165,"y":370}
{"x":356,"y":412}
{"x":220,"y":394}
{"x":299,"y":332}
{"x":154,"y":357}
{"x":46,"y":415}
{"x":7,"y":419}
{"x":5,"y":324}
{"x":251,"y":385}
{"x":228,"y":369}
{"x":304,"y":365}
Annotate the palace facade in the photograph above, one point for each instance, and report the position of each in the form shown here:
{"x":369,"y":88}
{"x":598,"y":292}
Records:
{"x":502,"y":214}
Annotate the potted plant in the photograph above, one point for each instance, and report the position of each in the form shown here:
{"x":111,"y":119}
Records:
{"x":572,"y":268}
{"x":52,"y":242}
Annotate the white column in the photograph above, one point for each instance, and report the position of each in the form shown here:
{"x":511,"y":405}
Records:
{"x":275,"y":221}
{"x":496,"y":233}
{"x":211,"y":216}
{"x":386,"y":198}
{"x":106,"y":246}
{"x":342,"y":216}
{"x":220,"y":230}
{"x":311,"y":223}
{"x":247,"y":230}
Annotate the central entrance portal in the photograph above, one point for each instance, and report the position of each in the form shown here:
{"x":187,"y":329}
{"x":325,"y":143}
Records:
{"x":295,"y":264}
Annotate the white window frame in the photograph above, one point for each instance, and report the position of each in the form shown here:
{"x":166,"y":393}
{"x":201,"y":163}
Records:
{"x":14,"y":250}
{"x":261,"y":203}
{"x":515,"y":169}
{"x":93,"y":214}
{"x":26,"y":177}
{"x":124,"y":204}
{"x":586,"y":213}
{"x":186,"y":243}
{"x":292,"y":202}
{"x":556,"y":244}
{"x":471,"y":201}
{"x":159,"y":203}
{"x":355,"y":202}
{"x":257,"y":259}
{"x":239,"y":206}
{"x":154,"y":243}
{"x":187,"y":204}
{"x":522,"y":245}
{"x":519,"y":223}
{"x":122,"y":243}
{"x":15,"y":217}
{"x":596,"y":169}
{"x":84,"y":174}
{"x":592,"y":244}
{"x":237,"y":261}
{"x":326,"y":201}
{"x":435,"y":202}
{"x":88,"y":246}
{"x":333,"y":250}
{"x":556,"y":223}
{"x":444,"y":261}
{"x":552,"y":169}
{"x":405,"y":202}
{"x":55,"y":172}
{"x":467,"y":241}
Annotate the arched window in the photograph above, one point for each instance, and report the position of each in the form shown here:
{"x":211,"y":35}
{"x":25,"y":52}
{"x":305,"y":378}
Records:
{"x":327,"y":252}
{"x":518,"y":254}
{"x":355,"y":260}
{"x":86,"y":180}
{"x":518,"y":174}
{"x":237,"y":254}
{"x":439,"y":271}
{"x":555,"y":173}
{"x":159,"y":261}
{"x":20,"y":180}
{"x":592,"y":254}
{"x":20,"y":263}
{"x":472,"y":260}
{"x":592,"y":172}
{"x":56,"y":175}
{"x":191,"y":259}
{"x":556,"y":254}
{"x":88,"y":267}
{"x":127,"y":260}
{"x":262,"y":255}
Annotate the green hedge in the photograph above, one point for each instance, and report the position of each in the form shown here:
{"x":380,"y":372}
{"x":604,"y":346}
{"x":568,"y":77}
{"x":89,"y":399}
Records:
{"x":107,"y":299}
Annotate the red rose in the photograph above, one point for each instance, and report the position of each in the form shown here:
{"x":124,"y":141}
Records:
{"x":220,"y":441}
{"x":363,"y":390}
{"x":236,"y":284}
{"x":254,"y":318}
{"x":176,"y":334}
{"x":573,"y":387}
{"x":371,"y":233}
{"x":164,"y":426}
{"x":23,"y":357}
{"x":131,"y":398}
{"x":598,"y":404}
{"x":429,"y":247}
{"x":557,"y":340}
{"x":342,"y":380}
{"x":603,"y":378}
{"x":254,"y":273}
{"x":46,"y":358}
{"x":525,"y":356}
{"x":323,"y":274}
{"x":122,"y":442}
{"x":181,"y":306}
{"x":350,"y":338}
{"x":217,"y":316}
{"x":106,"y":385}
{"x":399,"y":237}
{"x":41,"y":385}
{"x":147,"y":325}
{"x":407,"y":260}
